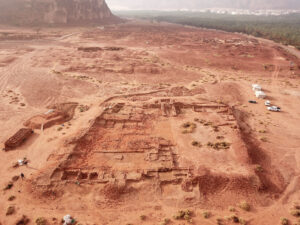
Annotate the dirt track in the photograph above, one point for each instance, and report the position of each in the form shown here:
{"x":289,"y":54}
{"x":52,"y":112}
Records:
{"x":162,"y":124}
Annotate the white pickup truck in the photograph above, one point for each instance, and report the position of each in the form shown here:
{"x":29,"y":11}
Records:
{"x":274,"y":108}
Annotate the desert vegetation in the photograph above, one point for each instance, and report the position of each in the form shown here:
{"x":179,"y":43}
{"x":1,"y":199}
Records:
{"x":284,"y":29}
{"x":184,"y":215}
{"x":188,"y":127}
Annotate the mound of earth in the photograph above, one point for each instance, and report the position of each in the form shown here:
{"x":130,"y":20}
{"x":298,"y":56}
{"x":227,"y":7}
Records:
{"x":146,"y":143}
{"x":57,"y":114}
{"x":37,"y":12}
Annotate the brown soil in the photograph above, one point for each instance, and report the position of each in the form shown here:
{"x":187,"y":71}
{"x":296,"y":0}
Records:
{"x":56,"y":115}
{"x":161,"y":124}
{"x":18,"y":138}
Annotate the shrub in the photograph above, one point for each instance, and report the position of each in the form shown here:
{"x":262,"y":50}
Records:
{"x":10,"y":210}
{"x":41,"y":221}
{"x":184,"y":214}
{"x":264,"y":139}
{"x":166,"y":221}
{"x":196,"y":144}
{"x":22,"y":220}
{"x":202,"y":121}
{"x":143,"y":217}
{"x":296,"y":206}
{"x":284,"y":221}
{"x":210,"y":144}
{"x":245,"y":206}
{"x":187,"y":217}
{"x":242,"y":221}
{"x":295,"y":212}
{"x":219,"y":221}
{"x":235,"y":219}
{"x":222,"y":145}
{"x":189,"y":127}
{"x":231,"y":209}
{"x":208,"y":124}
{"x":258,"y":168}
{"x":83,"y":108}
{"x":11,"y":198}
{"x":219,"y":145}
{"x":216,"y":128}
{"x":8,"y":186}
{"x":206,"y":214}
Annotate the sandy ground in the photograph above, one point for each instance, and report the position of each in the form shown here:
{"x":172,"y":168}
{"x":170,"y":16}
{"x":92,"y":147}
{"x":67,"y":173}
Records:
{"x":162,"y":124}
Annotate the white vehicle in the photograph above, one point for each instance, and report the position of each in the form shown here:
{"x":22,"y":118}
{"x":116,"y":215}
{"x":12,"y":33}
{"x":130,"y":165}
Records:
{"x":274,"y":108}
{"x":267,"y":103}
{"x":256,"y":87}
{"x":260,"y":94}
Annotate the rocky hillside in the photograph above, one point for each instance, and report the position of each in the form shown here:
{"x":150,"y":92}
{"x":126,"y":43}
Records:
{"x":30,"y":12}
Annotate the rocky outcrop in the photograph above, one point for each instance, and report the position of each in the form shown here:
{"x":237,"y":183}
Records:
{"x":36,"y":12}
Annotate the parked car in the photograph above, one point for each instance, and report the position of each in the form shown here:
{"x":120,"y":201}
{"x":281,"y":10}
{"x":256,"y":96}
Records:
{"x":274,"y":108}
{"x":267,"y":103}
{"x":252,"y":101}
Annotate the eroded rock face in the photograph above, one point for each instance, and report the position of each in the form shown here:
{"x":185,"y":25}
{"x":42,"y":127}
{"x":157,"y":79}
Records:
{"x":22,"y":12}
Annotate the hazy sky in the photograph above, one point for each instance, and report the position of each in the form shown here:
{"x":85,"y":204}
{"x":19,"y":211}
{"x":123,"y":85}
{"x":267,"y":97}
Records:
{"x":202,"y":4}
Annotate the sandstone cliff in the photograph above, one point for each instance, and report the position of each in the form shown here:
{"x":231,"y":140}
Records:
{"x":30,"y":12}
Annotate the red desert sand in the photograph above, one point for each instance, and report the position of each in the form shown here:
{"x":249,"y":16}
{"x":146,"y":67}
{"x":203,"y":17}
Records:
{"x":148,"y":123}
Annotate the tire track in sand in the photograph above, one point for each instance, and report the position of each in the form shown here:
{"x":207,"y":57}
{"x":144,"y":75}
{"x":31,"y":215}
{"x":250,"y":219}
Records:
{"x":19,"y":66}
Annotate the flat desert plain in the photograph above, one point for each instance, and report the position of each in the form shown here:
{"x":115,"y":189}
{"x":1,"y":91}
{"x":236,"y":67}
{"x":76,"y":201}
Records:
{"x":147,"y":123}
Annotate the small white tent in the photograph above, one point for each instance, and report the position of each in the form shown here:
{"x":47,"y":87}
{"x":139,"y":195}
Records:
{"x":67,"y":219}
{"x":260,"y":94}
{"x":256,"y":87}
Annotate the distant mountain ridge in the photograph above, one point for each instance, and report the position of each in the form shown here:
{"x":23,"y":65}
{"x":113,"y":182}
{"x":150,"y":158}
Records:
{"x":28,"y":12}
{"x":202,"y":4}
